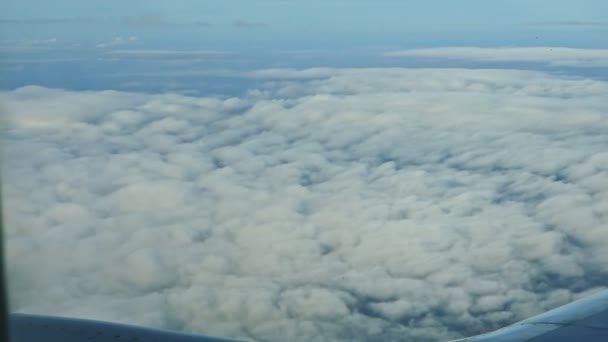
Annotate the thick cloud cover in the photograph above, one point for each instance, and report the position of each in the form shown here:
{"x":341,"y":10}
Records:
{"x":398,"y":204}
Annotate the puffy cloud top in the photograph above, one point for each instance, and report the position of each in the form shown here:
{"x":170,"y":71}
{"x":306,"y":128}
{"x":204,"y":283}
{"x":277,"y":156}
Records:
{"x":350,"y":204}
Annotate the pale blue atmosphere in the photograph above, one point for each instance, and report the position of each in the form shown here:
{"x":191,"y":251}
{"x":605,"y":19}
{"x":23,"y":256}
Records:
{"x":82,"y":44}
{"x":309,"y":24}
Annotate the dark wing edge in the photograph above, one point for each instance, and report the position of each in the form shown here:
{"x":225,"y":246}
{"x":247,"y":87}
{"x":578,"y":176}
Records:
{"x":35,"y":328}
{"x":583,"y":320}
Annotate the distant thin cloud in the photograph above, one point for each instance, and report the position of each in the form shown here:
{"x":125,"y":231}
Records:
{"x":553,"y":56}
{"x":66,"y":20}
{"x":570,"y":23}
{"x":146,"y":20}
{"x":168,"y":55}
{"x":202,"y":23}
{"x":151,"y":20}
{"x":247,"y":24}
{"x":29,"y":45}
{"x":160,"y":52}
{"x":118,"y":41}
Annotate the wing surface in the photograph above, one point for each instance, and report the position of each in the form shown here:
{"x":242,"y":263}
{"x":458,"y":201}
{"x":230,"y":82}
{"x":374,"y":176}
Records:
{"x":32,"y":328}
{"x":583,"y":320}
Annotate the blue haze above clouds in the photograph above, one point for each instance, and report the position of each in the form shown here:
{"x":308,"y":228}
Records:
{"x":278,"y":170}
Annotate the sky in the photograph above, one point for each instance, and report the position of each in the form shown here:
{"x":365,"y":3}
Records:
{"x":93,"y":45}
{"x":311,"y":23}
{"x":335,"y":15}
{"x":305,"y":171}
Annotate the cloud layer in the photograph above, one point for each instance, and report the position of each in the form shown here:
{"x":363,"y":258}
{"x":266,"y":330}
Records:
{"x":359,"y":204}
{"x":553,"y":56}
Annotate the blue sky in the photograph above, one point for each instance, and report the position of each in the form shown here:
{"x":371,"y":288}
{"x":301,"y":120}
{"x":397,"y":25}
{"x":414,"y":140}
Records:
{"x":324,"y":14}
{"x":73,"y":43}
{"x":310,"y":22}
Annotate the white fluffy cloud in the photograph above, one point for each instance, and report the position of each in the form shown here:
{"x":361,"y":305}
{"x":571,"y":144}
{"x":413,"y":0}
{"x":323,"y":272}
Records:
{"x":554,"y":56}
{"x":170,"y":53}
{"x":344,"y":204}
{"x":118,"y":41}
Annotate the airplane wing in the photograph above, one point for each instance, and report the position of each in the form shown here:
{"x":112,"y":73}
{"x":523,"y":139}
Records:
{"x":584,"y":320}
{"x":33,"y":328}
